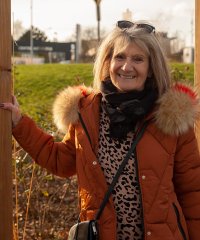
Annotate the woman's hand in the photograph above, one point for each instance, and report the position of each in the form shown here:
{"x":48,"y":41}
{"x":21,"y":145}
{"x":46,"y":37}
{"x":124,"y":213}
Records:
{"x":14,"y":108}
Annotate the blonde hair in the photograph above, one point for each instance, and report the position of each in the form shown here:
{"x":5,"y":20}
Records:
{"x":148,"y":42}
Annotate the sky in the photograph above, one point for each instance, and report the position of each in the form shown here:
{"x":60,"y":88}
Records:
{"x":58,"y":18}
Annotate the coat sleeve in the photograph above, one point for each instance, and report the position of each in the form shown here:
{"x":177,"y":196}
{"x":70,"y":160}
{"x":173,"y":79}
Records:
{"x":56,"y":157}
{"x":187,"y":181}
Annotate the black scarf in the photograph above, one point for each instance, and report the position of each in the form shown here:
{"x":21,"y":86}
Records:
{"x":126,"y":109}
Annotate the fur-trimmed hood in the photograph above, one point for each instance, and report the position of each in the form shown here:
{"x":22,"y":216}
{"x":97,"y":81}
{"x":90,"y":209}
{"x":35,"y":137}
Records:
{"x":176,"y":111}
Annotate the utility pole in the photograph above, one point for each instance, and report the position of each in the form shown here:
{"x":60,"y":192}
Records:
{"x":192,"y":32}
{"x":31,"y":31}
{"x":78,"y":43}
{"x":98,"y":18}
{"x":6,"y":212}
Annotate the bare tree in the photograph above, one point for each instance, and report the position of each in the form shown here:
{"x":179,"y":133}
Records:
{"x":18,"y":29}
{"x":90,"y":43}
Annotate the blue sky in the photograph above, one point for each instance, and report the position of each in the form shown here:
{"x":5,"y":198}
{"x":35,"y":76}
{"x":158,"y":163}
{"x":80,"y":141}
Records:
{"x":58,"y":18}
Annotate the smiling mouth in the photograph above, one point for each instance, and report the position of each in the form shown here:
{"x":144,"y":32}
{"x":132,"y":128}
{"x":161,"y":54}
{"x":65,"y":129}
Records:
{"x":126,"y":76}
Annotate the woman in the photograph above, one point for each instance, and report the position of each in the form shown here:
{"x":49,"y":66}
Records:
{"x":158,"y":194}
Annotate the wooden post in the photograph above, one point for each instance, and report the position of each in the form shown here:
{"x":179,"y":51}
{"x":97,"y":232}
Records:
{"x":197,"y":43}
{"x":197,"y":59}
{"x":6,"y":216}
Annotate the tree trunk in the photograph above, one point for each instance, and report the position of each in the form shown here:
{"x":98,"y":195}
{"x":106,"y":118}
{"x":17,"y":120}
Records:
{"x":6,"y":218}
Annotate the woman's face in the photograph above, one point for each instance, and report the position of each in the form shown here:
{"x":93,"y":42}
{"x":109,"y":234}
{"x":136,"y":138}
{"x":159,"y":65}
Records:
{"x":129,"y":68}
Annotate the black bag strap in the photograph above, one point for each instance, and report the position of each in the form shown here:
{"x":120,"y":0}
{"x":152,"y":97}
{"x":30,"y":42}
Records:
{"x":121,"y":167}
{"x":84,"y":127}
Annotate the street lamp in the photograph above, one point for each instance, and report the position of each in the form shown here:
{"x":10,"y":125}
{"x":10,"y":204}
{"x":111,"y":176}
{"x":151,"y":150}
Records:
{"x":98,"y":18}
{"x":31,"y":31}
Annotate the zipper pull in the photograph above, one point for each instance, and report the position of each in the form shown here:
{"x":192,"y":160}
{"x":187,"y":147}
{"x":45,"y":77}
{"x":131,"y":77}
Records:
{"x":94,"y":228}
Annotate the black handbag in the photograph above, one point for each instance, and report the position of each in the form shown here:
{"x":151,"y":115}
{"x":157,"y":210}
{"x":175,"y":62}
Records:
{"x":88,"y":230}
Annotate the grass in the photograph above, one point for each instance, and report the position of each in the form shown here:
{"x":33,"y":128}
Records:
{"x":182,"y":72}
{"x":37,"y":85}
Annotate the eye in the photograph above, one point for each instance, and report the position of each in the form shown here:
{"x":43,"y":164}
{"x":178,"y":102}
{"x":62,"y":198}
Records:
{"x":119,"y":57}
{"x":138,"y":59}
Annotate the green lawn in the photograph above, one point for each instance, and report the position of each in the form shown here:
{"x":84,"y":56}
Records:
{"x":37,"y":85}
{"x":182,"y":72}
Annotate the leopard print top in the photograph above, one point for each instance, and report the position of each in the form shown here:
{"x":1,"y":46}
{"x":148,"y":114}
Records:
{"x":126,"y":194}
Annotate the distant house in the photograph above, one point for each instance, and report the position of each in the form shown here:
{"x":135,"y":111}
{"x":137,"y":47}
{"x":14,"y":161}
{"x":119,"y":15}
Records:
{"x":50,"y":52}
{"x":188,"y":55}
{"x":173,"y":47}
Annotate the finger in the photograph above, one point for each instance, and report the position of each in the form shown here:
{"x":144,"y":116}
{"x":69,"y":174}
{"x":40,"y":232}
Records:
{"x":7,"y":106}
{"x":14,"y":100}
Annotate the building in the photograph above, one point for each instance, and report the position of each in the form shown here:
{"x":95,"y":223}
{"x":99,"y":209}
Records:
{"x":47,"y":52}
{"x":188,"y":55}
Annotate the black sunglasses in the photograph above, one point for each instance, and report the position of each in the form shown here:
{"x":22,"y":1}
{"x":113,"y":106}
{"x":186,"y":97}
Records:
{"x":127,"y":24}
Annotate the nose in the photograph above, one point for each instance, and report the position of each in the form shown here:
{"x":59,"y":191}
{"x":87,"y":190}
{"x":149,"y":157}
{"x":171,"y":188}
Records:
{"x":127,"y":65}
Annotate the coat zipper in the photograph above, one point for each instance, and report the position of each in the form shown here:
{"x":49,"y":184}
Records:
{"x":137,"y":175}
{"x":179,"y":222}
{"x":142,"y":209}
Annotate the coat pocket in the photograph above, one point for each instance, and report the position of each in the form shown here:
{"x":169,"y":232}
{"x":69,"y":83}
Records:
{"x":179,"y":222}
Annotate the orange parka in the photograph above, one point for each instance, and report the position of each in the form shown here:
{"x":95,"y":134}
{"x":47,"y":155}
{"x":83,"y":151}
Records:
{"x":168,"y":162}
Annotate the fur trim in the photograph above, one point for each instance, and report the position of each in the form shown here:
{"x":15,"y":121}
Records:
{"x":65,"y":107}
{"x":178,"y":110}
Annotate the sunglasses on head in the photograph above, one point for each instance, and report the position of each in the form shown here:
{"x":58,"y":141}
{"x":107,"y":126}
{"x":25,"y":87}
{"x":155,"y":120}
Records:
{"x":127,"y":24}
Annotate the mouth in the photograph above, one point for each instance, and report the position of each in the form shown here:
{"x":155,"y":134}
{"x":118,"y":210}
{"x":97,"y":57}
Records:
{"x":129,"y":77}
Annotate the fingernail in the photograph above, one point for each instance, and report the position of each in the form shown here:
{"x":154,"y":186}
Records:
{"x":1,"y":105}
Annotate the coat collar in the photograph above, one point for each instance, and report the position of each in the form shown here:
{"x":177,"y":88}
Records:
{"x":176,"y":110}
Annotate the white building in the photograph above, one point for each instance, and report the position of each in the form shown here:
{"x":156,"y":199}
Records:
{"x":188,"y":55}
